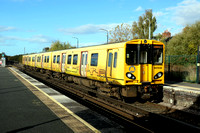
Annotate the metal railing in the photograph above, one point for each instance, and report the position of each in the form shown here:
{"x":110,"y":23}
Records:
{"x":181,"y":68}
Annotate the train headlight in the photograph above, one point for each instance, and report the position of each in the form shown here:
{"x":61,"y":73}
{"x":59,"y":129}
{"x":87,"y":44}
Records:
{"x":158,"y":75}
{"x":130,"y":76}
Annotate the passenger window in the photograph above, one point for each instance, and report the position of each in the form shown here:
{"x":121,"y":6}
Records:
{"x":82,"y":59}
{"x":75,"y":58}
{"x":110,"y":59}
{"x":86,"y":59}
{"x":94,"y":59}
{"x":63,"y":58}
{"x":33,"y":59}
{"x":38,"y":59}
{"x":58,"y":59}
{"x":69,"y":59}
{"x":115,"y":60}
{"x":47,"y":59}
{"x":54,"y":59}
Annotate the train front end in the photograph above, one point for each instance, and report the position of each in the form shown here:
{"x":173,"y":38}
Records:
{"x":144,"y":68}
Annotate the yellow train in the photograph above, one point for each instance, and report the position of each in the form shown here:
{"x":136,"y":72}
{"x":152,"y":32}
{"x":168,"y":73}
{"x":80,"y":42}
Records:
{"x":129,"y":69}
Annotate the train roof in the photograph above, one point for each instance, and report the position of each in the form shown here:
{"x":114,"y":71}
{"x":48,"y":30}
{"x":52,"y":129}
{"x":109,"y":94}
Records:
{"x":109,"y":45}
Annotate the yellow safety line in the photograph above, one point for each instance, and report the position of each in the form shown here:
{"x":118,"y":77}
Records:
{"x":69,"y":111}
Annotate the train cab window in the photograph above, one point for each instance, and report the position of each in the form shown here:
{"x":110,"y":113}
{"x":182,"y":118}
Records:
{"x":69,"y":59}
{"x":54,"y":59}
{"x":29,"y":59}
{"x":110,"y":59}
{"x":94,"y":59}
{"x":47,"y":59}
{"x":75,"y":58}
{"x":58,"y":59}
{"x":131,"y":54}
{"x":145,"y":54}
{"x":115,"y":60}
{"x":157,"y":55}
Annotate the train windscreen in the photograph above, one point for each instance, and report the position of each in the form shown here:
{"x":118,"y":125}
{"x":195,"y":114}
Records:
{"x":157,"y":54}
{"x":144,"y":54}
{"x":131,"y":54}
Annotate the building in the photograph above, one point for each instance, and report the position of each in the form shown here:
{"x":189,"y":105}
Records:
{"x":166,"y":34}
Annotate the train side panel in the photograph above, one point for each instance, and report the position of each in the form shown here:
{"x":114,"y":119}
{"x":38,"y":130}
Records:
{"x":39,"y":61}
{"x":56,"y":61}
{"x":33,"y":60}
{"x":96,"y":64}
{"x":47,"y":60}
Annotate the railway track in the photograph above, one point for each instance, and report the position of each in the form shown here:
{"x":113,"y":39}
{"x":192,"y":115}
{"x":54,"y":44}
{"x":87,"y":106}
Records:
{"x":147,"y":116}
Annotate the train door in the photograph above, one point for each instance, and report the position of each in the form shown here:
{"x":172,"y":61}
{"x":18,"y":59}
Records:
{"x":63,"y":62}
{"x":111,"y":68}
{"x":109,"y":64}
{"x":144,"y":65}
{"x":83,"y":63}
{"x":144,"y":72}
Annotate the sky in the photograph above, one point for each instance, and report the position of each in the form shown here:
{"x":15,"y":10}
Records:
{"x":27,"y":26}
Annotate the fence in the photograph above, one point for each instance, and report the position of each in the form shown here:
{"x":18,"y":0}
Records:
{"x":181,"y":68}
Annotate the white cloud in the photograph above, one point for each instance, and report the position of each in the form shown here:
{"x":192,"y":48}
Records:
{"x":39,"y":39}
{"x":6,"y":28}
{"x":25,"y":0}
{"x":139,"y":8}
{"x":159,"y":14}
{"x":89,"y":44}
{"x":186,"y":12}
{"x":33,"y":39}
{"x":87,"y":29}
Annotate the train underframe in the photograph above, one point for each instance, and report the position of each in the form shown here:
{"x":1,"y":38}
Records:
{"x":144,"y":92}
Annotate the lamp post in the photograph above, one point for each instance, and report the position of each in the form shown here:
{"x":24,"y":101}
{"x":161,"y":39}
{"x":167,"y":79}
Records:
{"x":149,"y":27}
{"x":77,"y":41}
{"x":107,"y":33}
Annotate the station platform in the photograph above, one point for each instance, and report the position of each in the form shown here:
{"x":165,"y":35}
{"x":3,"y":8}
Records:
{"x":26,"y":108}
{"x":184,"y":85}
{"x":182,"y":95}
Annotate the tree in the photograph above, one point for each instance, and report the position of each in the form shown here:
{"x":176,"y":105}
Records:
{"x":57,"y":45}
{"x":120,"y":33}
{"x":141,"y":28}
{"x":186,"y":42}
{"x":158,"y":36}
